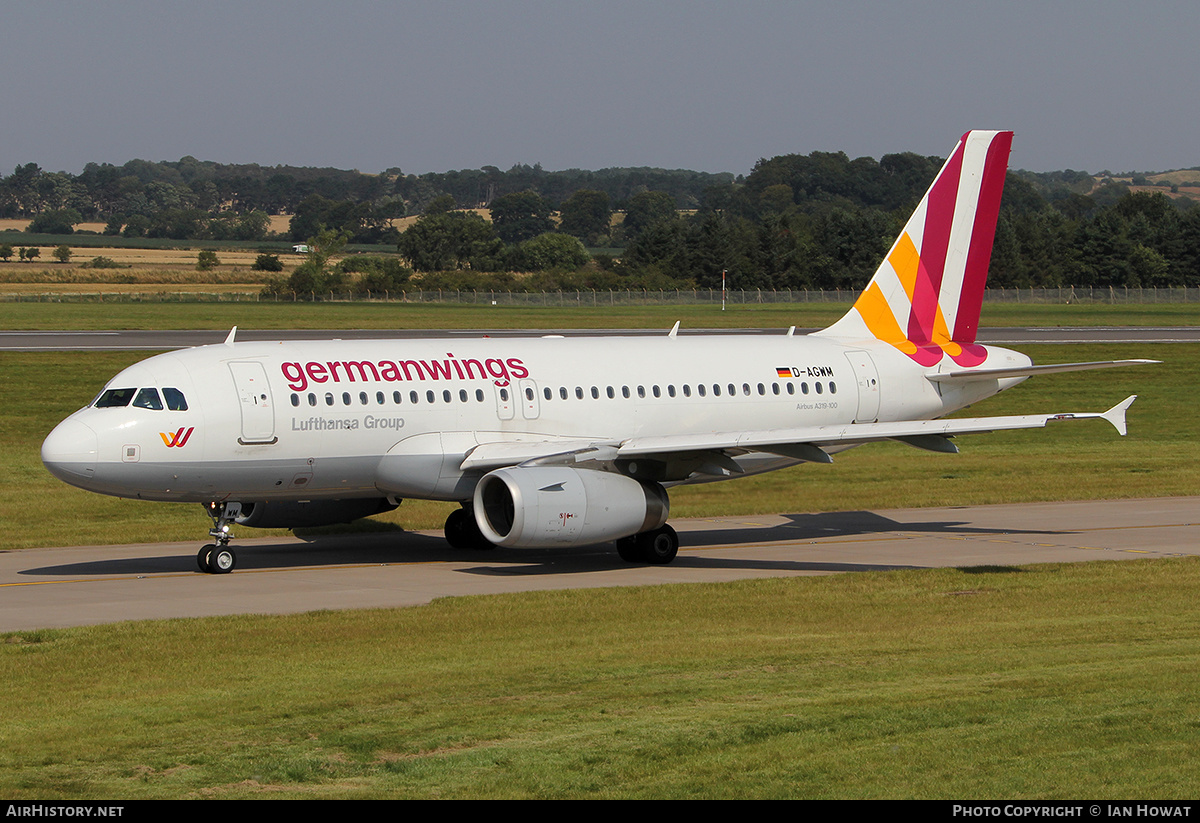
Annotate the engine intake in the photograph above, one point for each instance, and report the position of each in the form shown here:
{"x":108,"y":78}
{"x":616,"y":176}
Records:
{"x":549,"y":506}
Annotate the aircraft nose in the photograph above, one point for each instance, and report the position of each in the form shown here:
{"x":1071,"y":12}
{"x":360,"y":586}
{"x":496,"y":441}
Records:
{"x":69,"y":452}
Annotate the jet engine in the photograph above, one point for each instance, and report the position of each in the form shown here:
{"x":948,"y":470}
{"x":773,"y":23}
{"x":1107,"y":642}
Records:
{"x":274,"y":514}
{"x":546,"y":506}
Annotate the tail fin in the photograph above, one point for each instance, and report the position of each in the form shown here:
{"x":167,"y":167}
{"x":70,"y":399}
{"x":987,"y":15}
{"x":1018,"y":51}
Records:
{"x":926,"y":296}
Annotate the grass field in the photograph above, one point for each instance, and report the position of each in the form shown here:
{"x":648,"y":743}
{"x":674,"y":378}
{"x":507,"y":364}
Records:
{"x":124,"y":315}
{"x":1045,"y":682}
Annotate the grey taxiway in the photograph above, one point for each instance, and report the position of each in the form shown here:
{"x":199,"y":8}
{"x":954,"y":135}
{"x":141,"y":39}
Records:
{"x":55,"y":587}
{"x":141,"y":340}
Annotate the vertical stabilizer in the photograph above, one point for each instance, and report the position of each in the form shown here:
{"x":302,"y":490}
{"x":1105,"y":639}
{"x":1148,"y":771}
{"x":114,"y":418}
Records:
{"x":926,"y":296}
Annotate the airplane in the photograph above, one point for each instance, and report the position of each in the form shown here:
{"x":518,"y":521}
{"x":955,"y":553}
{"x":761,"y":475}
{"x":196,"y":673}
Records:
{"x":560,"y":441}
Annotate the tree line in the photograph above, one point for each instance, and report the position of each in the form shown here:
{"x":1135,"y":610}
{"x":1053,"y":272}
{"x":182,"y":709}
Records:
{"x":820,"y":220}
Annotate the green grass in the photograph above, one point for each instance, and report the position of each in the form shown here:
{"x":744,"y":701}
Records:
{"x":1080,"y":460}
{"x":90,"y":316}
{"x":1052,"y":681}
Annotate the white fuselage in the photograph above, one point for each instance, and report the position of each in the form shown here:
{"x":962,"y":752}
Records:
{"x":369,"y":418}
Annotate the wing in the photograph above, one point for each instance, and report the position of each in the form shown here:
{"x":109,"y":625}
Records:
{"x":714,"y":450}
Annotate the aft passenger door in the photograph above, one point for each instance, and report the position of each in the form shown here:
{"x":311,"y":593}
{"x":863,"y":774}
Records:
{"x":867,"y":378}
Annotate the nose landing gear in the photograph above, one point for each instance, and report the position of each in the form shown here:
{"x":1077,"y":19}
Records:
{"x":219,"y":558}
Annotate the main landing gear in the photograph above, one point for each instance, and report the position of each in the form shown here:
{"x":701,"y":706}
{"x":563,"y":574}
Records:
{"x":657,"y":546}
{"x":219,"y":558}
{"x":462,"y":532}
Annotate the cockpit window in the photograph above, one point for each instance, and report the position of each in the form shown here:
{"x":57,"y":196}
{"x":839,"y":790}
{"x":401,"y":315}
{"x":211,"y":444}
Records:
{"x":148,"y":399}
{"x":175,"y":399}
{"x":114,"y":398}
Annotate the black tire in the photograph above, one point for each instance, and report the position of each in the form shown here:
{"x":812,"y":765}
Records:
{"x":222,"y":560}
{"x":629,"y":551}
{"x":462,"y":532}
{"x":204,"y":558}
{"x":659,"y":546}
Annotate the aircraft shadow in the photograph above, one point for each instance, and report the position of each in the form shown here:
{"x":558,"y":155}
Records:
{"x":843,"y":524}
{"x":400,"y":547}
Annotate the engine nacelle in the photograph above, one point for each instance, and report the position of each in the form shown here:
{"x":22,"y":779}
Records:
{"x":275,"y":514}
{"x":547,"y":506}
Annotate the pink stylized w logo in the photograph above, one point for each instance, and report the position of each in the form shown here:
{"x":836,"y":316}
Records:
{"x":178,"y":438}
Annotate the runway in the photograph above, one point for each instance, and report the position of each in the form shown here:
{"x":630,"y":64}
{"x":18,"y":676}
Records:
{"x":142,"y":340}
{"x":57,"y":587}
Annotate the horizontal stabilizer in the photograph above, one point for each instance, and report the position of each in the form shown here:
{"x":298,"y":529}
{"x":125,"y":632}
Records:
{"x":967,"y":375}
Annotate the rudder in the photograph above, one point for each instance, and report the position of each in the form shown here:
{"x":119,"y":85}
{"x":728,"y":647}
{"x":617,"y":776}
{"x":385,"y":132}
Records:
{"x":926,"y":295}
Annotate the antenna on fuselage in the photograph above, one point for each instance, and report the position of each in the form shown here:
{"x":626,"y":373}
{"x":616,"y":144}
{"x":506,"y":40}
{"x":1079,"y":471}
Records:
{"x":674,"y":330}
{"x":229,"y":339}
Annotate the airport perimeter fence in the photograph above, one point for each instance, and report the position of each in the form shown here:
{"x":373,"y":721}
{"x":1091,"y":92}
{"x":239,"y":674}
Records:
{"x":566,"y":299}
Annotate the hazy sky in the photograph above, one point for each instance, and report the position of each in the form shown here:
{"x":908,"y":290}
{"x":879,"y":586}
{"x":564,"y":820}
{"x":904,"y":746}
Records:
{"x":712,"y":86}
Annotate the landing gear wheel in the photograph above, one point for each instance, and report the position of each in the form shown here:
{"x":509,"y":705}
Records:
{"x":222,"y":560}
{"x":659,"y":546}
{"x":628,"y":550}
{"x":218,"y":558}
{"x":462,"y":532}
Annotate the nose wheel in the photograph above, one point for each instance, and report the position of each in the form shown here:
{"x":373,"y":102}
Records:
{"x":214,"y":559}
{"x":218,"y":557}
